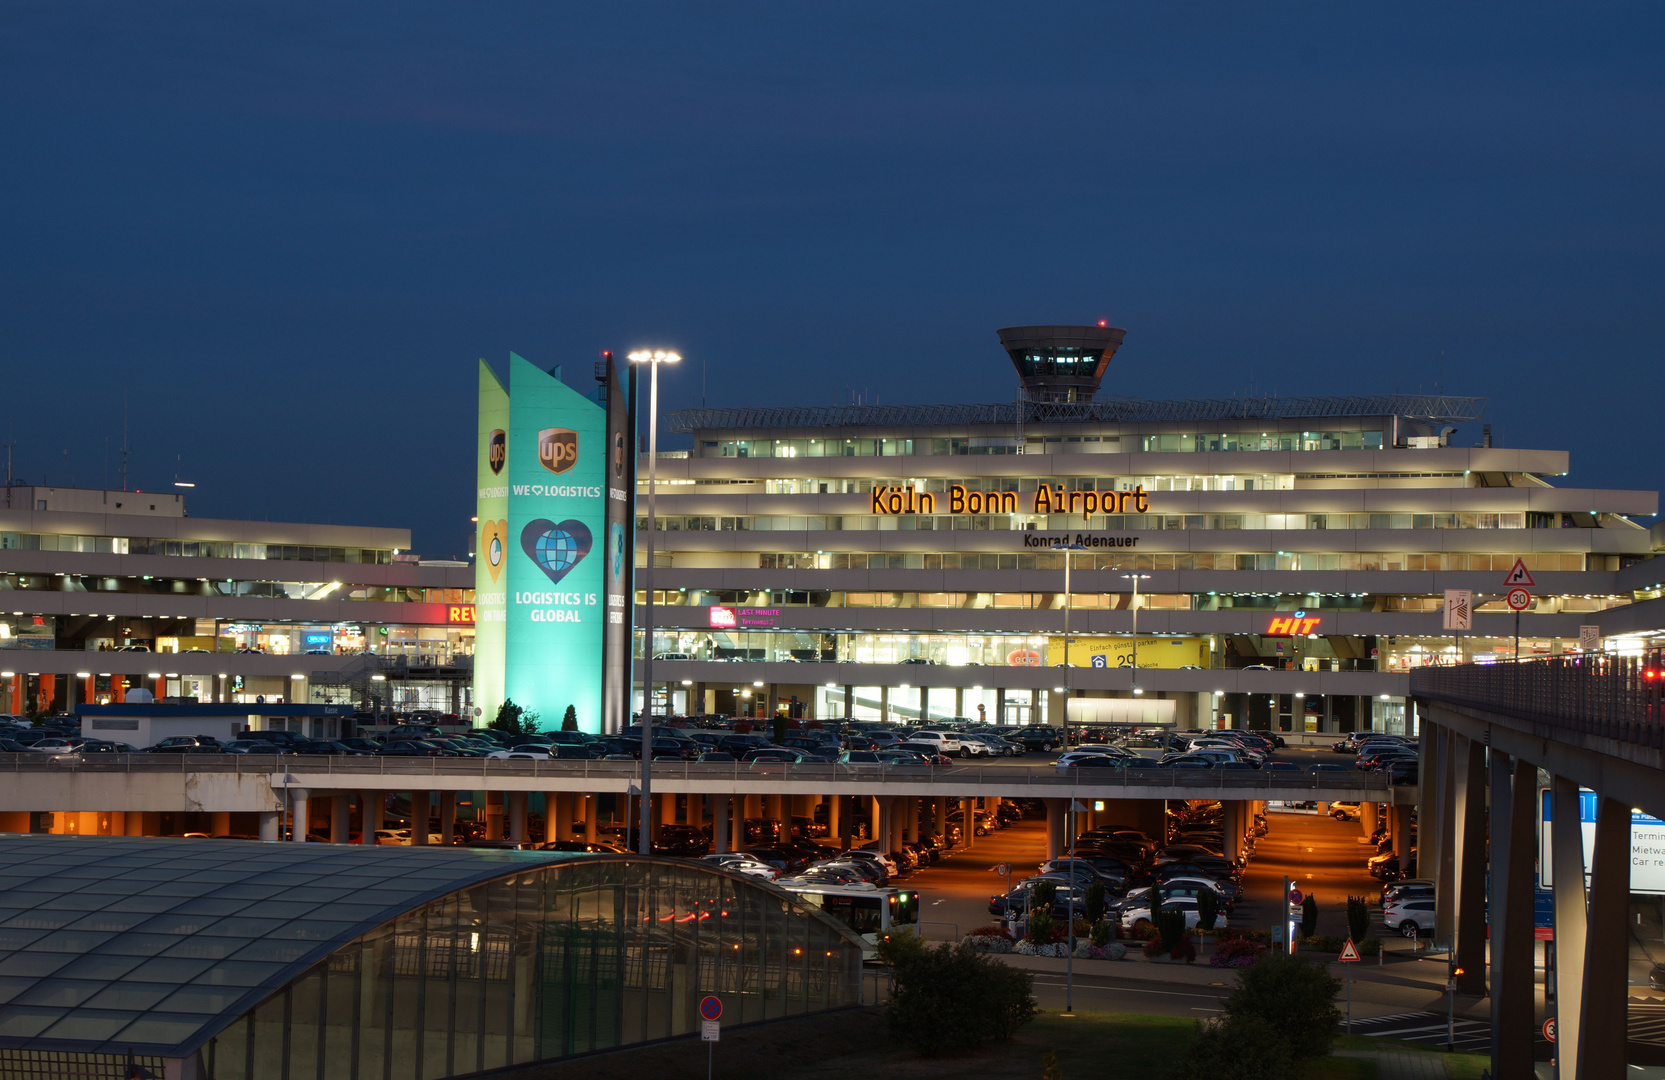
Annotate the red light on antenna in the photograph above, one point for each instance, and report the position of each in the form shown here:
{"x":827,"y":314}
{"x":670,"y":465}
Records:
{"x":1101,"y":322}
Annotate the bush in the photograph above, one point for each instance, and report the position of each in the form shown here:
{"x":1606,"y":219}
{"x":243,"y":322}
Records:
{"x":514,"y":719}
{"x":1236,"y":952}
{"x":1170,"y":925}
{"x":1042,"y":896}
{"x":1101,"y":934}
{"x":1243,"y":1048}
{"x":1292,"y":997}
{"x":950,"y":997}
{"x":1092,"y":904}
{"x":1309,"y":915}
{"x":1358,"y":918}
{"x":1044,"y":930}
{"x":1328,"y":943}
{"x":991,"y":930}
{"x":1208,"y":909}
{"x":1369,"y":946}
{"x":1259,"y":937}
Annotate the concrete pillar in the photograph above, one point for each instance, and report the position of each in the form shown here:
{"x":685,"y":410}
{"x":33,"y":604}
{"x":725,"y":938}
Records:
{"x":696,"y":810}
{"x":134,"y":825}
{"x":1055,"y":809}
{"x":884,"y":704}
{"x":1513,"y":784}
{"x":1567,"y":880}
{"x":373,"y":804}
{"x":341,"y":810}
{"x":221,"y":819}
{"x":514,"y":811}
{"x":783,"y":814}
{"x":1444,"y":833}
{"x":592,"y":811}
{"x":421,"y":811}
{"x":271,"y":826}
{"x":494,"y":815}
{"x":720,"y":820}
{"x":447,"y":817}
{"x":881,"y":825}
{"x":1471,"y":869}
{"x":835,"y":818}
{"x":1368,"y":819}
{"x":968,"y":814}
{"x":939,"y":814}
{"x":1400,"y":818}
{"x":1602,"y":1032}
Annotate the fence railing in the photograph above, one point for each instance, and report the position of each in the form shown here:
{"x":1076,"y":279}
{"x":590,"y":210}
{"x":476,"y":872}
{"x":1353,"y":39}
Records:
{"x":1616,"y":697}
{"x":1283,"y":785}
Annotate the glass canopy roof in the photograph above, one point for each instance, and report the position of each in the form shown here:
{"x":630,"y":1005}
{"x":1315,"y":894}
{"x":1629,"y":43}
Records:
{"x":110,"y":944}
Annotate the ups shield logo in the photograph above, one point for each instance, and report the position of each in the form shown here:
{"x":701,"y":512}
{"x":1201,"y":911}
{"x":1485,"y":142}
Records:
{"x":497,"y":450}
{"x":557,"y":449}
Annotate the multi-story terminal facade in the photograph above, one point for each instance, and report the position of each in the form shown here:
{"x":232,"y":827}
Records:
{"x":103,"y":592}
{"x":1290,"y":555}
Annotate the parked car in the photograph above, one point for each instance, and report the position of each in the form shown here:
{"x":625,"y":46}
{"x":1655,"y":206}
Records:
{"x":1413,"y":917}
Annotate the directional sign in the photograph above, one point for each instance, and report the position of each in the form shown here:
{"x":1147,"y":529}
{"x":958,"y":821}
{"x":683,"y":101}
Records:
{"x":1589,"y":638}
{"x":1349,"y":955}
{"x":1295,"y":896}
{"x":1459,"y":609}
{"x":1549,"y":1029}
{"x":1519,"y":599}
{"x":1519,"y":575}
{"x":711,"y":1009}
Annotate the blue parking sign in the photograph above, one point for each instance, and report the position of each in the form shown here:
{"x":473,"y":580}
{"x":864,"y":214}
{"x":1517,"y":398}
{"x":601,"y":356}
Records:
{"x":1100,"y":660}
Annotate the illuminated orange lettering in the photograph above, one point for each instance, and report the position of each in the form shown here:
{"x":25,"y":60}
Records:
{"x":956,"y":499}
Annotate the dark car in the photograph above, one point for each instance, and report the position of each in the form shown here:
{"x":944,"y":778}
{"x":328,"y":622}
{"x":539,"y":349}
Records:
{"x":180,"y":744}
{"x":682,"y":841}
{"x":1402,"y":772}
{"x":1037,"y":737}
{"x":738,"y":745}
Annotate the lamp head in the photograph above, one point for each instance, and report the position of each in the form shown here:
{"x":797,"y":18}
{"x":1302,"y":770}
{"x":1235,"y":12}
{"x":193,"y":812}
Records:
{"x":653,"y":356}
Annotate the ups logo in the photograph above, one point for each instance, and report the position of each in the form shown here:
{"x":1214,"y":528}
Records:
{"x":497,"y":450}
{"x":557,"y":449}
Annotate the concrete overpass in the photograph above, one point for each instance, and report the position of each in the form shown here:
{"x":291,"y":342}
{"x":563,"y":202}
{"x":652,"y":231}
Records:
{"x":1591,"y":721}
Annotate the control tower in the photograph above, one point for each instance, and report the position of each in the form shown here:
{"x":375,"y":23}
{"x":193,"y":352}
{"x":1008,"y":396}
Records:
{"x":1061,"y":363}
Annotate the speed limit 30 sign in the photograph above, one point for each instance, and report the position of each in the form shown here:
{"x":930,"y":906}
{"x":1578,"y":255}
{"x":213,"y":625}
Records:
{"x":1519,"y":599}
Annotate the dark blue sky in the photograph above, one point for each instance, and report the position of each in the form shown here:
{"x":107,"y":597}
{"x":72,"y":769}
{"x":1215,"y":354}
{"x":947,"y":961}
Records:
{"x":285,"y":232}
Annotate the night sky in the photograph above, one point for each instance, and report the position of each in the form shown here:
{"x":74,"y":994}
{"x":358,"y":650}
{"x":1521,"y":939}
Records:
{"x":283,"y":233}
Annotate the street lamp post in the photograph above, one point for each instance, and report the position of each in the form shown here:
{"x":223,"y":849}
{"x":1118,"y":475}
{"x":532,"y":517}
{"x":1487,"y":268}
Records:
{"x":1069,"y":603}
{"x":653,"y":358}
{"x":1136,"y":578}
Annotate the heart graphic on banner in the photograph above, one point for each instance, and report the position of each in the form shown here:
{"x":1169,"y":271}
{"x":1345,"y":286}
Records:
{"x":555,"y":548}
{"x":494,"y":546}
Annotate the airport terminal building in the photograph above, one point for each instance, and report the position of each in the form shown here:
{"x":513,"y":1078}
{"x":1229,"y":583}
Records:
{"x":1290,"y":555}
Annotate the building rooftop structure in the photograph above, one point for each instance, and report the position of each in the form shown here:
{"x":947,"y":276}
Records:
{"x":243,"y":956}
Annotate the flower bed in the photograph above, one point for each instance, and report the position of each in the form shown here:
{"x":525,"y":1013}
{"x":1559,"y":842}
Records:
{"x":1239,"y":948}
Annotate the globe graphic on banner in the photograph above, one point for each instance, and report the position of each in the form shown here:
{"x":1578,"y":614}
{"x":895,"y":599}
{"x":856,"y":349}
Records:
{"x":555,"y":548}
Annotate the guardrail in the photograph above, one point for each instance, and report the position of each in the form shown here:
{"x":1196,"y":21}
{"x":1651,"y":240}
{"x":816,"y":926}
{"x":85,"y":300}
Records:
{"x":1277,"y":784}
{"x":1591,"y":693}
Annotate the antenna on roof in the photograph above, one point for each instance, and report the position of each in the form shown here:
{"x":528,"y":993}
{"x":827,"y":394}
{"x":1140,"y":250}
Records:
{"x":124,"y":450}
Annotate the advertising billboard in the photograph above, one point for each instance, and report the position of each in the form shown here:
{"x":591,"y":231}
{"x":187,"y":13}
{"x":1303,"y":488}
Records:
{"x":556,"y":548}
{"x":491,"y":543}
{"x":620,"y":566}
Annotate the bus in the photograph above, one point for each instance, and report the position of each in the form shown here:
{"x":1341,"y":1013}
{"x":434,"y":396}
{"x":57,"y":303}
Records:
{"x":868,"y":909}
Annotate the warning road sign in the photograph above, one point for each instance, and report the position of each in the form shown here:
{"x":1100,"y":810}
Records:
{"x":1519,"y":599}
{"x":1519,"y":574}
{"x":1349,"y":955}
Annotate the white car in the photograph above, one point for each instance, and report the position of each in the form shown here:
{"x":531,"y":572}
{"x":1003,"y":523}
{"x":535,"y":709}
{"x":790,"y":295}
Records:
{"x":53,"y":746}
{"x":396,"y":837}
{"x":1412,"y":917}
{"x":529,"y":752}
{"x":1135,"y":912}
{"x":739,"y":862}
{"x":946,"y":742}
{"x":974,"y":746}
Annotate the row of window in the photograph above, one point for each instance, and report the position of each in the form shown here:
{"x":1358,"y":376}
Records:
{"x":1045,"y":444}
{"x":280,"y":590}
{"x":1235,"y":482}
{"x":1175,"y":560}
{"x":834,"y":598}
{"x":1110,"y":522}
{"x":210,"y":549}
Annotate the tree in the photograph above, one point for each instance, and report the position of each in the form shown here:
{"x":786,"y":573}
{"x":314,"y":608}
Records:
{"x":1243,"y":1048}
{"x":780,"y":730}
{"x":950,"y":997}
{"x":1358,"y":918}
{"x":1292,"y":997}
{"x":514,"y":719}
{"x":1208,"y":909}
{"x":569,"y":722}
{"x":1093,"y":902}
{"x":1309,"y":915}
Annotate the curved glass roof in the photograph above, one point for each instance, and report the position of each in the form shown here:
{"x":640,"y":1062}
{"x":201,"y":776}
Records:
{"x":151,"y":944}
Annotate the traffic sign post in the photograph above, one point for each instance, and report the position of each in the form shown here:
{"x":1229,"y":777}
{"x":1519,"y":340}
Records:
{"x":1349,"y":955}
{"x":711,"y":1011}
{"x":1519,"y":600}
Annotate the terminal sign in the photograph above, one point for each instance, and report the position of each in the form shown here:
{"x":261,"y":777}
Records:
{"x":1297,"y":625}
{"x":460,"y":613}
{"x":891,"y":501}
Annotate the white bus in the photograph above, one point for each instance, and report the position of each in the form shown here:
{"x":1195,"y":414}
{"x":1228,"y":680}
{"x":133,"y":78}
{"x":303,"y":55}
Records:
{"x":868,"y":909}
